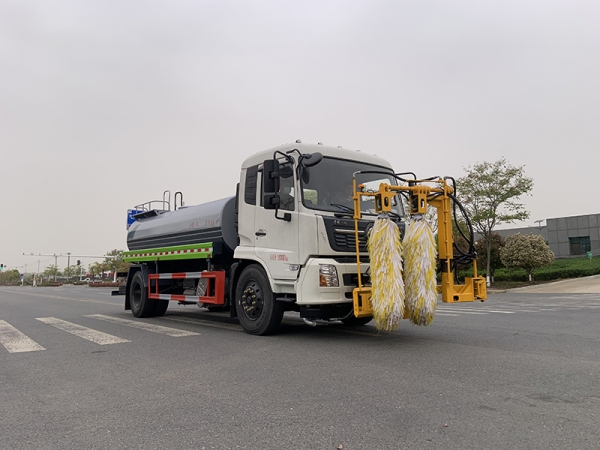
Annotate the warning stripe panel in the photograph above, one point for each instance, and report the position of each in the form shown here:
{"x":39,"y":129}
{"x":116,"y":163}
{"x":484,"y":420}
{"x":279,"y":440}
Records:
{"x":176,"y":297}
{"x":175,"y":276}
{"x":215,"y":287}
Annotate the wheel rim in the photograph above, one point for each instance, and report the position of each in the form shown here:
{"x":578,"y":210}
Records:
{"x":252,"y":301}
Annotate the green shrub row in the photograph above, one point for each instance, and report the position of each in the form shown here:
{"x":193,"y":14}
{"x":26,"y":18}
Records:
{"x":558,"y":270}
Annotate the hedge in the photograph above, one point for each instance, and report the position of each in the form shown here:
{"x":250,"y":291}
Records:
{"x":558,"y":270}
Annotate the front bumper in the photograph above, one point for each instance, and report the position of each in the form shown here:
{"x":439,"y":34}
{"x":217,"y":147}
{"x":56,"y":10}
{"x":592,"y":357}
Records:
{"x":308,"y":291}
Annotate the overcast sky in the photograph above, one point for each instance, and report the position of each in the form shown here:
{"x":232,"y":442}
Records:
{"x":106,"y":104}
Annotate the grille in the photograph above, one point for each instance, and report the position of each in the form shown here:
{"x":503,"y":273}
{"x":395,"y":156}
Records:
{"x":347,"y":241}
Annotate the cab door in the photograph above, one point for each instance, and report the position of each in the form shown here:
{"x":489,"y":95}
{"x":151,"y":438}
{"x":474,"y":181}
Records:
{"x":276,"y":239}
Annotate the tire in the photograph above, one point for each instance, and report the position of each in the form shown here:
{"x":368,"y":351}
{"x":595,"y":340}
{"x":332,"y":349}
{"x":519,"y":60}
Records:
{"x":354,"y":321}
{"x":141,"y":305}
{"x":258,"y":312}
{"x":161,"y":307}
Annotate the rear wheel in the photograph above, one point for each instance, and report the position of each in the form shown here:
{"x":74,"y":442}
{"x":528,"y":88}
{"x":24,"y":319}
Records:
{"x":257,"y":310}
{"x":141,"y":305}
{"x":161,"y":307}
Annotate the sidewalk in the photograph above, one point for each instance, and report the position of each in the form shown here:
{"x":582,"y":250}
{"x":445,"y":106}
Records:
{"x":585,"y":285}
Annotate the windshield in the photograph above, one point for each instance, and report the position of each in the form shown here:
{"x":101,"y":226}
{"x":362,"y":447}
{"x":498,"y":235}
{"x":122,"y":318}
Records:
{"x":328,"y":186}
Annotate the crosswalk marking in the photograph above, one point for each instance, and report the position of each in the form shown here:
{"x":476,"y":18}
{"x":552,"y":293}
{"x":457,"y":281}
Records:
{"x":173,"y":332}
{"x":511,"y":308}
{"x":208,"y":323}
{"x":470,"y":312}
{"x":16,"y":342}
{"x":89,"y":334}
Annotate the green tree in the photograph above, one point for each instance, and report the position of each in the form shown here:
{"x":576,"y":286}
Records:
{"x":527,"y":252}
{"x":114,"y":262}
{"x":490,"y":193}
{"x":71,"y":271}
{"x":51,"y":271}
{"x":10,"y":277}
{"x":96,"y":269}
{"x":495,"y":261}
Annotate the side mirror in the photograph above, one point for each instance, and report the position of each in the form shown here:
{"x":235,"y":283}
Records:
{"x":271,"y":201}
{"x":312,"y":159}
{"x":270,"y":176}
{"x":305,"y":175}
{"x":286,"y":171}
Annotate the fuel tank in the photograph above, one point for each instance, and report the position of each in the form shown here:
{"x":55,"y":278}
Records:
{"x":209,"y":222}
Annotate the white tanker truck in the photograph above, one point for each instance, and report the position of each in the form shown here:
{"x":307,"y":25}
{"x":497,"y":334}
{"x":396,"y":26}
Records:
{"x":287,"y":241}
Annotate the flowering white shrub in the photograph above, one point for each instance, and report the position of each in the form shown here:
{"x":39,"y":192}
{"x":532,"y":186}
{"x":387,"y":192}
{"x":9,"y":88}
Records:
{"x":527,"y":252}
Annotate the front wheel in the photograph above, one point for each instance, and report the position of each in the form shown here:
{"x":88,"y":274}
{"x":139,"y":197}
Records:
{"x":257,"y":310}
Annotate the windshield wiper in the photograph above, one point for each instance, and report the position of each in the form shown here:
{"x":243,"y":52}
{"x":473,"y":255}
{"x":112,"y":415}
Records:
{"x":343,"y":207}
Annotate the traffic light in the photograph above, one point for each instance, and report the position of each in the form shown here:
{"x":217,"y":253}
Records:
{"x":1,"y":266}
{"x":78,"y":262}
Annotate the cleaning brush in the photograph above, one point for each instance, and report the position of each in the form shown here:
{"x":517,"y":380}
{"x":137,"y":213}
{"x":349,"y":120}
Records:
{"x":385,"y":253}
{"x":419,"y":271}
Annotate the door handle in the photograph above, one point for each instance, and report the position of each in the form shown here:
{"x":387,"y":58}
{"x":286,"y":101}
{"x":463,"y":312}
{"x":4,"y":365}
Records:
{"x":261,"y":233}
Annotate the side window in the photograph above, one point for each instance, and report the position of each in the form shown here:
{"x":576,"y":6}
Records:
{"x":311,"y":197}
{"x":286,"y":193}
{"x":250,"y":187}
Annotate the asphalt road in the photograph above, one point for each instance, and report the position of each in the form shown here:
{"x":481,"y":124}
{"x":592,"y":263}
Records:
{"x":519,"y":371}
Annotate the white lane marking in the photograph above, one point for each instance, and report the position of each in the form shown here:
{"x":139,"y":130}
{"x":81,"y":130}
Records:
{"x":458,"y":308}
{"x":208,"y":323}
{"x":89,"y":334}
{"x":20,"y":291}
{"x":173,"y":332}
{"x":445,"y":314}
{"x":16,"y":342}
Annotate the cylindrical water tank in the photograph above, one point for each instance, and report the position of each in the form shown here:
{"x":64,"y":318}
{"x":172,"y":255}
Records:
{"x":210,"y":222}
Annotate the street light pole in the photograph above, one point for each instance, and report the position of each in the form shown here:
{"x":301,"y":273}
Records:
{"x":55,"y":266}
{"x":68,"y":265}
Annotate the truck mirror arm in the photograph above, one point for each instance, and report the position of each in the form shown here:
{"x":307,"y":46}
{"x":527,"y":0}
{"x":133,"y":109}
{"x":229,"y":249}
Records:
{"x":287,"y":217}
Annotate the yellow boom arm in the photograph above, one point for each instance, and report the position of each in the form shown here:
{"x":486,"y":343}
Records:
{"x":421,"y":195}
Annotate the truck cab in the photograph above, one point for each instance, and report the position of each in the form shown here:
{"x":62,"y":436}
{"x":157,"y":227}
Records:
{"x":296,"y":223}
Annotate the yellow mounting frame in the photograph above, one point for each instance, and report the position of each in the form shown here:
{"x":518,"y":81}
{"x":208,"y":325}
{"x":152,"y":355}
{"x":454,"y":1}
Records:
{"x":421,"y":195}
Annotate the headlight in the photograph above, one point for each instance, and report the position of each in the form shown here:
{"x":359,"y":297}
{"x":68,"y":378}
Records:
{"x":328,"y":276}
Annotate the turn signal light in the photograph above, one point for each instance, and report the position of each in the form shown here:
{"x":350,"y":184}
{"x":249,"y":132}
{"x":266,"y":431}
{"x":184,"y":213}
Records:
{"x":328,"y":276}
